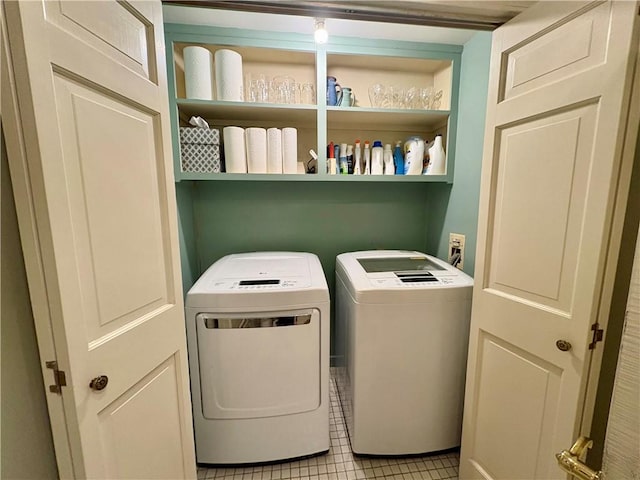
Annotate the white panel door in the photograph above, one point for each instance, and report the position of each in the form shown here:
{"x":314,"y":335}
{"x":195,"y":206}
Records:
{"x":557,"y":108}
{"x":92,"y":92}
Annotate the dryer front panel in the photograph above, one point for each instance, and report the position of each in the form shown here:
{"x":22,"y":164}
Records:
{"x":257,"y":365}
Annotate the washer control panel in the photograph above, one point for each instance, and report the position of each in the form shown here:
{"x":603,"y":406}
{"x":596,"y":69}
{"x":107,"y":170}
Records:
{"x":261,"y":284}
{"x":413,"y":280}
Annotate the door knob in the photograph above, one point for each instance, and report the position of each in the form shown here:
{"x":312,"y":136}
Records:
{"x":569,"y":461}
{"x":99,"y":383}
{"x":563,"y":345}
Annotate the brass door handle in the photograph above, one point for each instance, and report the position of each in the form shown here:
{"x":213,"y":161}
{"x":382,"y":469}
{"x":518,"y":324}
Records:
{"x":99,"y":383}
{"x":563,"y":345}
{"x":569,"y":461}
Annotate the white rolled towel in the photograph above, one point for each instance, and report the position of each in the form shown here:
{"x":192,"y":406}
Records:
{"x":197,"y":73}
{"x":229,"y":78}
{"x":289,"y":150}
{"x":274,"y":150}
{"x":234,"y":150}
{"x":256,"y":139}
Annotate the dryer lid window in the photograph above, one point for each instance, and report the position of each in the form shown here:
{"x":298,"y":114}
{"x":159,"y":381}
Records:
{"x":398,"y":264}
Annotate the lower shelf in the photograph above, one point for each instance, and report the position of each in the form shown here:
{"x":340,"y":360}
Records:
{"x":259,"y":177}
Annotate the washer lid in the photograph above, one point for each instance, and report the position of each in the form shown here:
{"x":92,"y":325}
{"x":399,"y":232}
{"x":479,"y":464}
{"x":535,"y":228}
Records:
{"x":398,"y":264}
{"x":391,"y":276}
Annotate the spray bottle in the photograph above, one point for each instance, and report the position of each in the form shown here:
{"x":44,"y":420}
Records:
{"x":356,"y":167}
{"x":367,"y":158}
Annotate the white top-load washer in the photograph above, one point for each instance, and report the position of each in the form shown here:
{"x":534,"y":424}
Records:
{"x":402,"y":320}
{"x":258,"y":338}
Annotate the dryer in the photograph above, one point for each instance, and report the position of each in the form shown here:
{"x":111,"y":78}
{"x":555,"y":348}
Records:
{"x":258,"y":339}
{"x":402,"y":320}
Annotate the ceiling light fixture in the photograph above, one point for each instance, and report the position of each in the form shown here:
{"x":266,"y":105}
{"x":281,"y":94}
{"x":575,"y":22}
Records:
{"x":320,"y":35}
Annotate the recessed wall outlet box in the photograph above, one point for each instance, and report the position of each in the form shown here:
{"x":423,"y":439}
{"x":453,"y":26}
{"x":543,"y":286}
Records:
{"x":456,"y":250}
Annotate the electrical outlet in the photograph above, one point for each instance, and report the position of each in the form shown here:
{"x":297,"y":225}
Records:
{"x":456,"y":250}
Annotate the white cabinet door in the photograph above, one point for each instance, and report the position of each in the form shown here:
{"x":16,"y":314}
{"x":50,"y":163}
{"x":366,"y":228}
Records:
{"x":92,"y":92}
{"x":557,"y":109}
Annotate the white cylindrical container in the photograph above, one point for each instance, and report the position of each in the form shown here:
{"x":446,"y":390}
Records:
{"x":235,"y":156}
{"x":289,"y":150}
{"x":376,"y":158}
{"x":256,"y":140}
{"x":387,"y":156}
{"x":197,"y":73}
{"x":274,"y":150}
{"x":437,"y":158}
{"x":229,"y":78}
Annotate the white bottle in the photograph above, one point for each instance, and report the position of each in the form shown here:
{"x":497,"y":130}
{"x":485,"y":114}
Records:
{"x":356,"y":159}
{"x":414,"y":156}
{"x":437,"y":158}
{"x":376,"y":158}
{"x":367,"y":159}
{"x":387,"y":157}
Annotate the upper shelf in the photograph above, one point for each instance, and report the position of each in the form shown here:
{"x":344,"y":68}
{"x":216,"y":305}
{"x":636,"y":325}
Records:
{"x":337,"y":117}
{"x":246,"y":111}
{"x":391,"y":119}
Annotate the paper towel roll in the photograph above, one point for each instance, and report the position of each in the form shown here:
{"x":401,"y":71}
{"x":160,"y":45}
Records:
{"x":234,"y":150}
{"x":274,"y":150}
{"x":256,"y":139}
{"x":229,"y":78}
{"x":197,"y":73}
{"x":289,"y":150}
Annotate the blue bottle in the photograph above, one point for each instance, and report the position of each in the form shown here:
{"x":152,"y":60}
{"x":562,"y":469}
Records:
{"x":398,"y":159}
{"x":332,"y":94}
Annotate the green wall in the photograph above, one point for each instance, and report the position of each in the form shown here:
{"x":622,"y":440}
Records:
{"x":454,"y":208}
{"x":186,"y":235}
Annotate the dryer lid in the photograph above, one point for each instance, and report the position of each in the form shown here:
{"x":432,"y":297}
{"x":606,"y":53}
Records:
{"x":261,"y":279}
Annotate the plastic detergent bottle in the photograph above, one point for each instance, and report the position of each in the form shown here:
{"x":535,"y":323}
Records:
{"x":367,"y":159}
{"x":414,"y":156}
{"x":398,"y":158}
{"x":387,"y":157}
{"x":358,"y":155}
{"x":376,"y":158}
{"x":437,"y":158}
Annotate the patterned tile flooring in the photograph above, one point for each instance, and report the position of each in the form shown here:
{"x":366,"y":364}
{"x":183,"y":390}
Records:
{"x":340,"y":464}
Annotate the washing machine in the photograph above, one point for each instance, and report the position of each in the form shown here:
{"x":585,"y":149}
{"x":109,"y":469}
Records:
{"x":258,"y":340}
{"x":402,"y":322}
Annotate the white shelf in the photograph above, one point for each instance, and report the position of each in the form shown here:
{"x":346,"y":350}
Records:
{"x":385,"y":119}
{"x":245,"y":111}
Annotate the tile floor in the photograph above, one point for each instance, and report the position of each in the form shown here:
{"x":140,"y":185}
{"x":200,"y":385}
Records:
{"x":341,"y":464}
